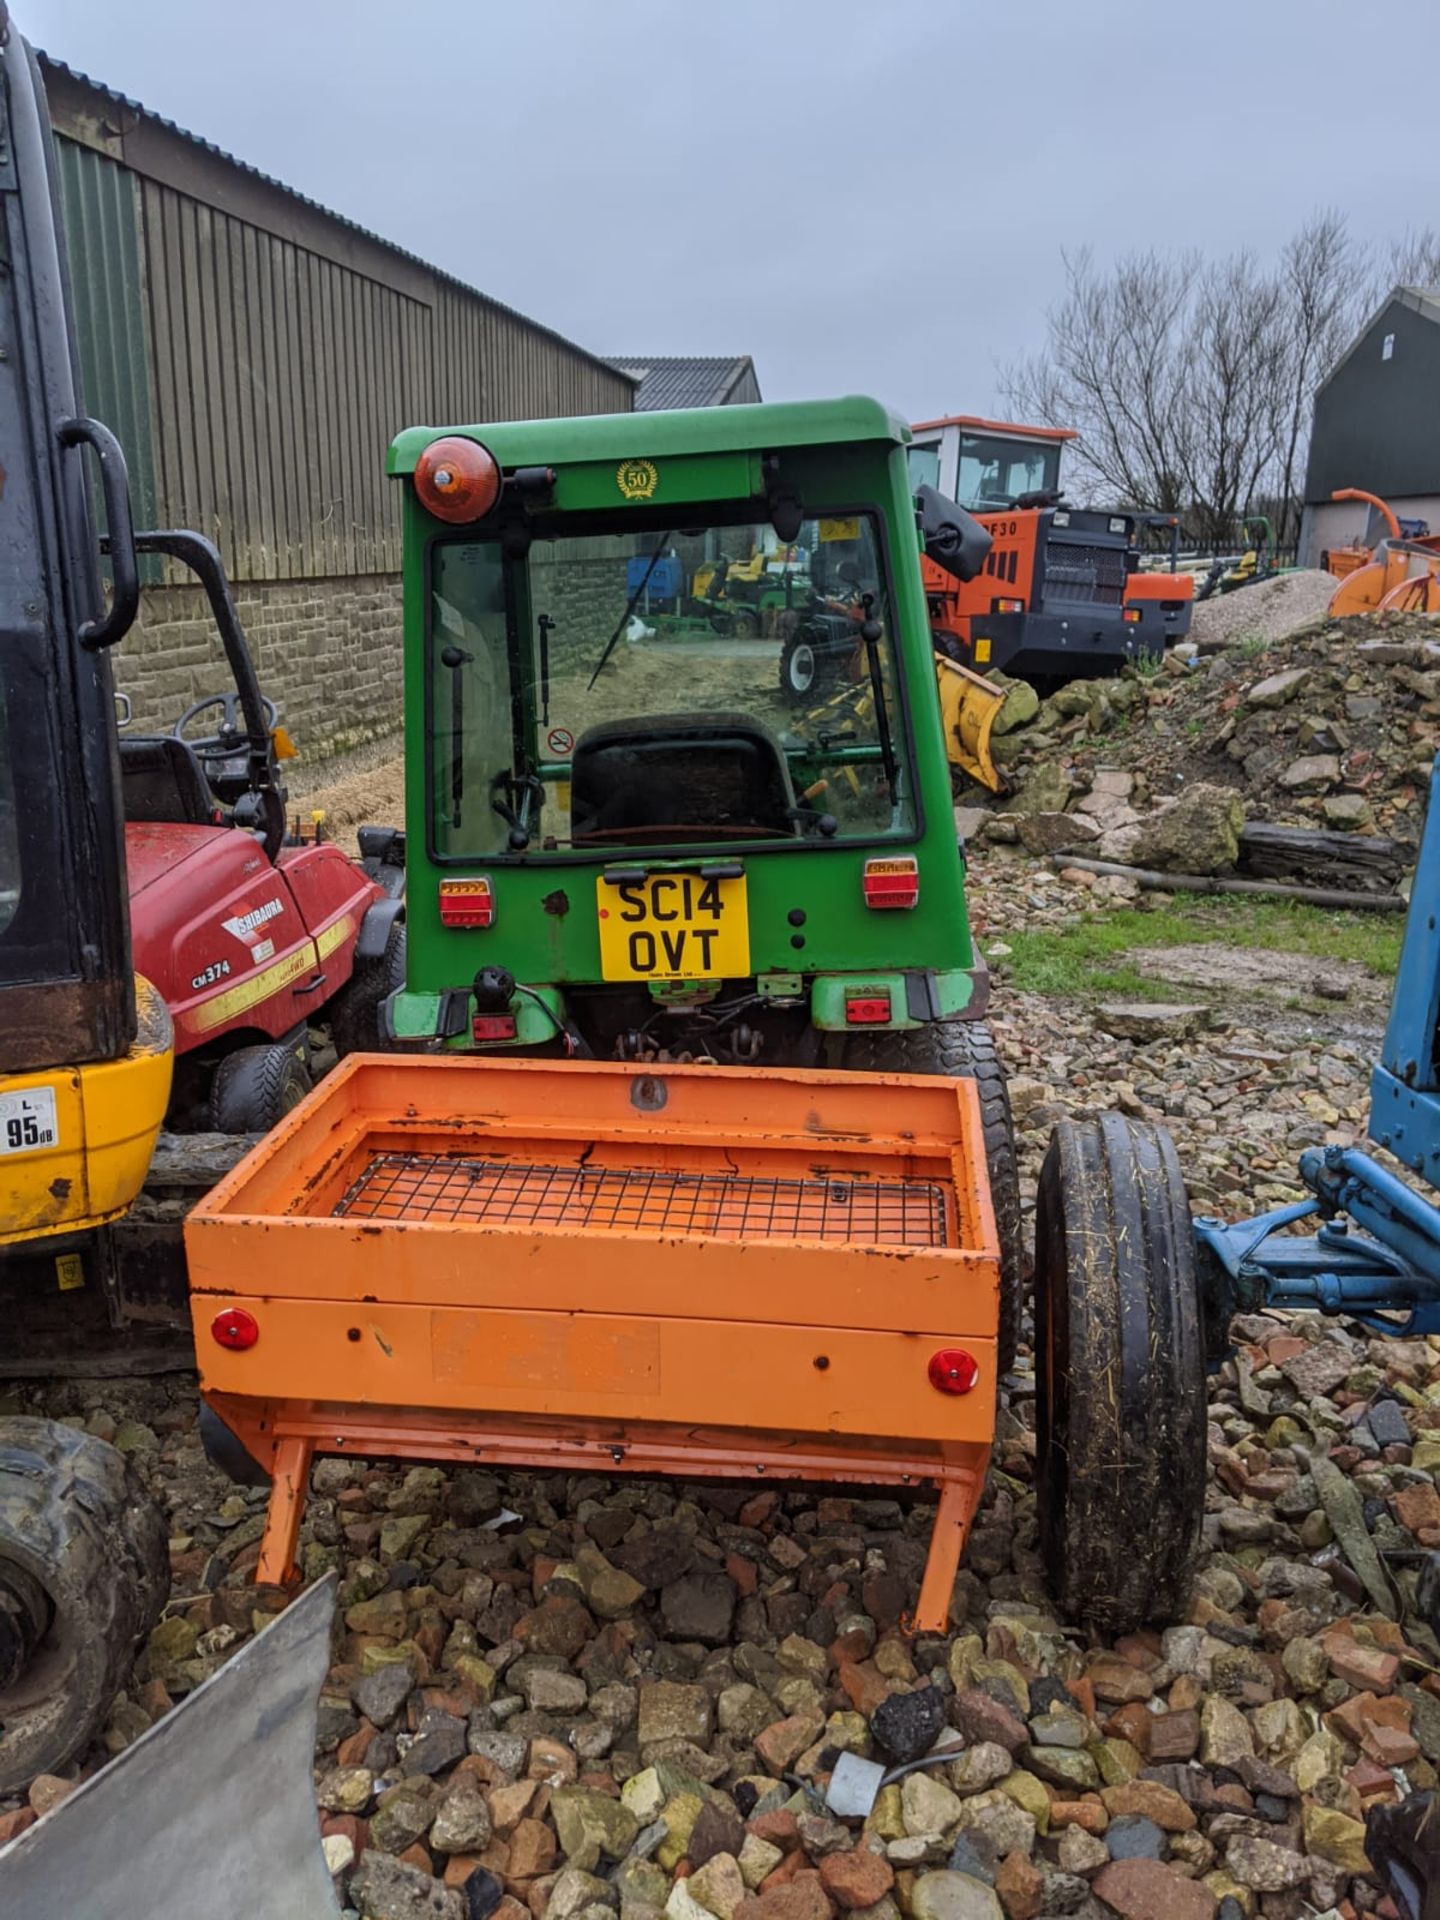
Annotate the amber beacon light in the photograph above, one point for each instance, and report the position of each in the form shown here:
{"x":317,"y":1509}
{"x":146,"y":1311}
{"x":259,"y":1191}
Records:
{"x":457,"y":479}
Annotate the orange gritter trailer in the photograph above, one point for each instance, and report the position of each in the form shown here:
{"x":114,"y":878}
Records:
{"x":742,"y":1272}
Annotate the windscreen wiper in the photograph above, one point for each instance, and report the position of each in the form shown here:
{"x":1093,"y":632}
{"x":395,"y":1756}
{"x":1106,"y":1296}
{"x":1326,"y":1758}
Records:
{"x":455,"y":658}
{"x":870,"y":635}
{"x":626,"y":616}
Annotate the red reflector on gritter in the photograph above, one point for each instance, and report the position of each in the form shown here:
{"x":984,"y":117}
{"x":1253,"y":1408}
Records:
{"x":467,"y":903}
{"x":866,"y":1009}
{"x":952,"y":1370}
{"x":235,"y":1328}
{"x":891,"y":883}
{"x":493,"y":1026}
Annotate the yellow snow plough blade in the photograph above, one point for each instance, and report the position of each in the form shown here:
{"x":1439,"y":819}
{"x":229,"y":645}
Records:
{"x":969,"y":706}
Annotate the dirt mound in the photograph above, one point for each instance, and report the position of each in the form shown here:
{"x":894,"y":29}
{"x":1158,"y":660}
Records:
{"x":1334,"y":725}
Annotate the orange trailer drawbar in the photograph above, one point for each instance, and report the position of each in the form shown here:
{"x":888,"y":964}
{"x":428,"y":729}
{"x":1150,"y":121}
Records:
{"x":742,"y":1272}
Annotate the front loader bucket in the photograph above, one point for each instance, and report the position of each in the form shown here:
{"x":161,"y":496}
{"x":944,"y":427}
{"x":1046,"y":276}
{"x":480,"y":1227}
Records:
{"x":969,"y":708}
{"x":212,"y":1812}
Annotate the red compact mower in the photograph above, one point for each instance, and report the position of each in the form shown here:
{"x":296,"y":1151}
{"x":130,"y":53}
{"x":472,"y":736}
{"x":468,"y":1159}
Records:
{"x":249,"y":933}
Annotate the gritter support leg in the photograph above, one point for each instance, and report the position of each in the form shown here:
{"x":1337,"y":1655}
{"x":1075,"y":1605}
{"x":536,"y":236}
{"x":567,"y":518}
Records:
{"x":282,"y":1516}
{"x":958,"y":1501}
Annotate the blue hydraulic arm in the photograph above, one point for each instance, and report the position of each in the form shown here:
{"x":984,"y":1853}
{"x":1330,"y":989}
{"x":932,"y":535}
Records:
{"x":1377,"y":1251}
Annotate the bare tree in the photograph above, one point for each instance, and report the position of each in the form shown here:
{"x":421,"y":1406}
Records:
{"x":1112,"y":371}
{"x":1411,"y":261}
{"x":1322,"y":274}
{"x":1192,"y":384}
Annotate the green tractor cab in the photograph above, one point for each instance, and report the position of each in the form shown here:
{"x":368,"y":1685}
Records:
{"x":626,"y":845}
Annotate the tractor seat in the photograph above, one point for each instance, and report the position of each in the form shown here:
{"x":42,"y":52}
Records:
{"x":693,"y":772}
{"x":161,"y":779}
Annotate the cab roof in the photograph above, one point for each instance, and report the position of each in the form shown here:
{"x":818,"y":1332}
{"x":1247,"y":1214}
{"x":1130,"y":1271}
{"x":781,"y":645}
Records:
{"x":638,"y":436}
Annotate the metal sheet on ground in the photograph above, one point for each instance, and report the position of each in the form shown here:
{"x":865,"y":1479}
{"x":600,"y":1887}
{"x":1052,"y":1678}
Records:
{"x":211,"y":1812}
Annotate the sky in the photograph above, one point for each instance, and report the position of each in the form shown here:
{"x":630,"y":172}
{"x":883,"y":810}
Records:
{"x":866,"y":198}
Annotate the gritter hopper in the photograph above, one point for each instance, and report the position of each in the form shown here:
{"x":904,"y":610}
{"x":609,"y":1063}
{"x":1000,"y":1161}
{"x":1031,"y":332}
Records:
{"x":749,"y":1273}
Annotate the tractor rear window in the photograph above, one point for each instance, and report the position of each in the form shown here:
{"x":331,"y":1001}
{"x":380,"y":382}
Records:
{"x":621,"y":689}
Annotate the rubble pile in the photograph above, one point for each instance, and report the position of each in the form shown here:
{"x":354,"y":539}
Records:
{"x":1329,"y":728}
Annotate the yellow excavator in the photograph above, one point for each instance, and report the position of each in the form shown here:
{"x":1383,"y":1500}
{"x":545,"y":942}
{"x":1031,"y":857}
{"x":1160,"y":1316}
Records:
{"x":85,"y":1048}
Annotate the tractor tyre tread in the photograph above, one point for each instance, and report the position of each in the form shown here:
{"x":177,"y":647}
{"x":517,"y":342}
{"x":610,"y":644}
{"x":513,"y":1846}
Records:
{"x":965,"y":1050}
{"x":1121,"y":1404}
{"x":355,"y":1010}
{"x":255,"y":1087}
{"x":75,"y":1518}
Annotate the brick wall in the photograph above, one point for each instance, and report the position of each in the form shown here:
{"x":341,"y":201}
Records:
{"x":328,"y":653}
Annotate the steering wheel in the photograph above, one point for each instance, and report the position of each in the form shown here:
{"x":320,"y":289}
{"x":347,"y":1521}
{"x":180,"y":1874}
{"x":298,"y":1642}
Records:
{"x":225,"y":744}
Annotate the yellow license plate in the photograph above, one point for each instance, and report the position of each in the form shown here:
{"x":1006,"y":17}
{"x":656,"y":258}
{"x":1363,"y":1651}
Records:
{"x":673,"y":926}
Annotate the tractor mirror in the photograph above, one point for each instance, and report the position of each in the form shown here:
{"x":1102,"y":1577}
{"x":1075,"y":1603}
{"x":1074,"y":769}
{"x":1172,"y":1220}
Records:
{"x":953,"y":538}
{"x":787,"y":516}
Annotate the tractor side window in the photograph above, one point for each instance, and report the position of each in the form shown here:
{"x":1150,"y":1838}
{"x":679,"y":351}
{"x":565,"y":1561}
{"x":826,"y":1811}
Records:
{"x":9,"y":826}
{"x":924,"y":467}
{"x":472,"y":730}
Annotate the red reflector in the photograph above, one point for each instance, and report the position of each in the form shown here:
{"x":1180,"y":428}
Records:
{"x":866,"y":1009}
{"x":891,"y":883}
{"x":466,"y":903}
{"x":952,"y":1370}
{"x":493,"y":1026}
{"x":457,"y":479}
{"x":235,"y":1328}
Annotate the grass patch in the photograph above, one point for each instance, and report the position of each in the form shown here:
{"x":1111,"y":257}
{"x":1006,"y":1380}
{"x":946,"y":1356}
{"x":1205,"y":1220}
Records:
{"x":1090,"y":957}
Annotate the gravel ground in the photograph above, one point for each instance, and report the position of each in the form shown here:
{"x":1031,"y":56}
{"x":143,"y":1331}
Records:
{"x":1268,"y":611}
{"x":607,"y":1701}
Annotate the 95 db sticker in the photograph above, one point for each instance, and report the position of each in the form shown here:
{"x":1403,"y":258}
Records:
{"x":27,"y":1120}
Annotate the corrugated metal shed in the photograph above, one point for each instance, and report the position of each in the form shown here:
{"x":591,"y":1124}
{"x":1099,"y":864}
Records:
{"x":256,"y":353}
{"x":109,"y":297}
{"x":699,"y":381}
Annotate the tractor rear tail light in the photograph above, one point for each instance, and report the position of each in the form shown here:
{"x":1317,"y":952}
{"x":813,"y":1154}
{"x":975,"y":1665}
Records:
{"x":1132,"y":615}
{"x":457,"y":479}
{"x":953,"y":1370}
{"x":1007,"y":606}
{"x":467,"y":903}
{"x":867,"y":1009}
{"x":493,"y":1026}
{"x":891,"y":883}
{"x":234,"y":1328}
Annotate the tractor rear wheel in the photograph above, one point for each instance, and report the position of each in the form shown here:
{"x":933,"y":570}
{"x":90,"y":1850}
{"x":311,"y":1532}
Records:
{"x":355,"y":1010}
{"x":84,"y":1574}
{"x":255,"y":1087}
{"x":808,"y":666}
{"x":965,"y":1050}
{"x":1120,"y":1374}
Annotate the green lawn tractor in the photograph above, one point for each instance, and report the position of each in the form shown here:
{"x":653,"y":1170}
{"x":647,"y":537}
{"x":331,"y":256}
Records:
{"x":654,"y":851}
{"x":627,"y":850}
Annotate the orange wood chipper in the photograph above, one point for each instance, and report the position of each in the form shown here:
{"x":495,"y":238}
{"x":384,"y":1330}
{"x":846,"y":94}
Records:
{"x":1399,"y":574}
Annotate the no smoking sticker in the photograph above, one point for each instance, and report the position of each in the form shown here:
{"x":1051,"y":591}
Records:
{"x":561,"y":742}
